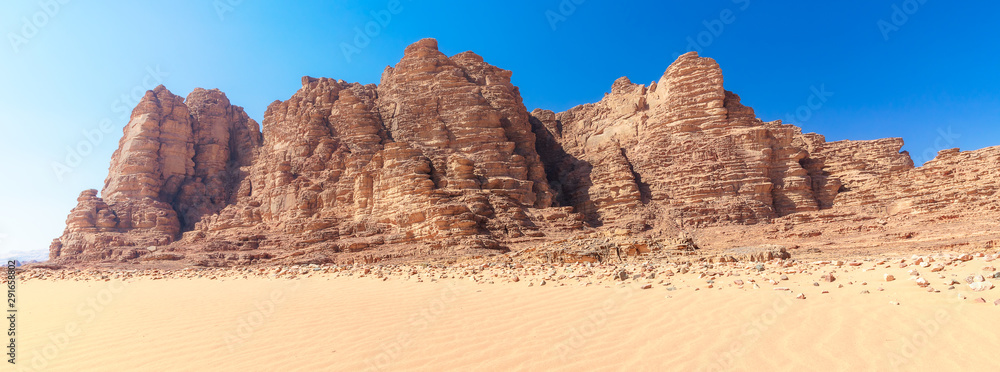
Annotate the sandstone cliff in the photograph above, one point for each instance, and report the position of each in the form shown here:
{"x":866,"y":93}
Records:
{"x":442,"y":157}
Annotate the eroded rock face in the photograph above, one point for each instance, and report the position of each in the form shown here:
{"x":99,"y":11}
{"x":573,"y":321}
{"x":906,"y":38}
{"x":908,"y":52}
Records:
{"x":687,"y":144}
{"x":442,"y":156}
{"x":177,"y":161}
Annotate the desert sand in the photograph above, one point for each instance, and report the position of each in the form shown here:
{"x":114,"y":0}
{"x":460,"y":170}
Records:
{"x":733,"y":316}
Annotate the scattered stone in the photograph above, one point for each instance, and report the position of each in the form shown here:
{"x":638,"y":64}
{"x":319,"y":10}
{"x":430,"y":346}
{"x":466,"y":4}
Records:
{"x":981,"y":286}
{"x":801,"y":296}
{"x":889,"y":277}
{"x":829,"y":278}
{"x":621,"y":275}
{"x":980,"y":300}
{"x":922,"y":282}
{"x":784,"y":277}
{"x":738,"y":282}
{"x":647,"y":286}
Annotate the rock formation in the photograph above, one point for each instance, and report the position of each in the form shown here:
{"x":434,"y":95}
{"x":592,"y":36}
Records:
{"x":178,"y":161}
{"x":442,"y":157}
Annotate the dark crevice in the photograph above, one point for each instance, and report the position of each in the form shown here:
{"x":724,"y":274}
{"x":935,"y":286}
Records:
{"x":645,"y":195}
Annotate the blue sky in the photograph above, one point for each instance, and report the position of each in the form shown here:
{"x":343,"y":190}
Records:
{"x":70,"y":70}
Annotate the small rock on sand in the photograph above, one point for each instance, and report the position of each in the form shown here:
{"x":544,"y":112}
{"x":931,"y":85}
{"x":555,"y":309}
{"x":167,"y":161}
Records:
{"x":981,"y":286}
{"x":889,"y":277}
{"x":621,"y":275}
{"x":922,"y":282}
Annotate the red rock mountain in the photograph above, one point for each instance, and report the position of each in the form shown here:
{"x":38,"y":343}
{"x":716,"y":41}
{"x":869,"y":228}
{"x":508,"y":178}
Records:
{"x":442,"y":157}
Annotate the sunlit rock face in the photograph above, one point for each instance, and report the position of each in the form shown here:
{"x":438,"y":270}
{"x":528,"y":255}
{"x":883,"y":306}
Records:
{"x":442,"y":157}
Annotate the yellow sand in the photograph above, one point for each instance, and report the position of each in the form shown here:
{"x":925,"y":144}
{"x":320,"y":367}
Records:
{"x":352,"y":324}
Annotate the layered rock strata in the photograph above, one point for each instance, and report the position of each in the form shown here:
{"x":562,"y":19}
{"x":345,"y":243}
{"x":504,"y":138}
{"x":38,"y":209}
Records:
{"x":443,"y":156}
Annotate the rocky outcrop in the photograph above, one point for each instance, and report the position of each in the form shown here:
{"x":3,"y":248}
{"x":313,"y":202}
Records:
{"x":442,"y":157}
{"x":687,"y":144}
{"x":178,"y":161}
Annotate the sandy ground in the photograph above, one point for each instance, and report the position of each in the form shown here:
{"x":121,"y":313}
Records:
{"x":482,"y":320}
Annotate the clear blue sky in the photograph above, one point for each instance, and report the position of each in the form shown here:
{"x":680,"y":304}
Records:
{"x":931,"y":75}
